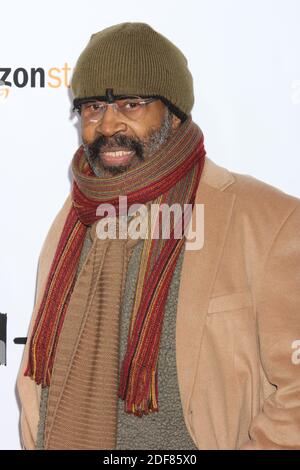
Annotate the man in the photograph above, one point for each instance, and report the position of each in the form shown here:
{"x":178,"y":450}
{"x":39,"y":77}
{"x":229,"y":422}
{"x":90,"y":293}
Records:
{"x":142,"y":342}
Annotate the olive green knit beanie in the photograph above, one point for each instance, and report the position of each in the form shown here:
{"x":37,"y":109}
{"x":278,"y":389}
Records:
{"x":133,"y":59}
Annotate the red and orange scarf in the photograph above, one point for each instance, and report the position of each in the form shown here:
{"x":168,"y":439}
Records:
{"x":173,"y":176}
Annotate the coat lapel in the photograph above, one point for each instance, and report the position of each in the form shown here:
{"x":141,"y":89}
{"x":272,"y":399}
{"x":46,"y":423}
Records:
{"x":198,"y":273}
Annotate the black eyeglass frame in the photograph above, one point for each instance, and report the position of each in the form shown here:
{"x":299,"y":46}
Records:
{"x":174,"y":109}
{"x":147,"y":100}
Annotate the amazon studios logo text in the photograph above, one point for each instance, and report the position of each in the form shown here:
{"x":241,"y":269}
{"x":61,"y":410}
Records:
{"x":34,"y":77}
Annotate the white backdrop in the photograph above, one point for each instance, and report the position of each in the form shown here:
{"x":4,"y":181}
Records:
{"x":245,"y":60}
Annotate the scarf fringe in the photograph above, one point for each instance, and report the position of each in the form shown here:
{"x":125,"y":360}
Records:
{"x":142,"y":395}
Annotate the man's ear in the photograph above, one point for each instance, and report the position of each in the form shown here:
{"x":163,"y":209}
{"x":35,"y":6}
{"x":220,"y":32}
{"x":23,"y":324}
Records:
{"x":175,"y":122}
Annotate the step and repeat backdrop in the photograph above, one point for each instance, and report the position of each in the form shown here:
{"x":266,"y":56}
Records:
{"x":245,"y":61}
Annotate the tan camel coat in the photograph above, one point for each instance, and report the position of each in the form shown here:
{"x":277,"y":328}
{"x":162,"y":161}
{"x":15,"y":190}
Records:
{"x":238,"y":319}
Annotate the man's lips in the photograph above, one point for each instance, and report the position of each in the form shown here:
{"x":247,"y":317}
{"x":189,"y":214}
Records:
{"x":116,"y":157}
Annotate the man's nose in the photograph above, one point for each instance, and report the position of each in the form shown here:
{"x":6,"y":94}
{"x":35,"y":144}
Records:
{"x":111,"y":122}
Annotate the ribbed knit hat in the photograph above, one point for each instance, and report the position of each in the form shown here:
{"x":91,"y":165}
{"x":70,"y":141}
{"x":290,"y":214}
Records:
{"x":133,"y":59}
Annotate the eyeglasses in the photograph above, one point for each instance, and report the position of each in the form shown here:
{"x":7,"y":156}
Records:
{"x":133,"y":107}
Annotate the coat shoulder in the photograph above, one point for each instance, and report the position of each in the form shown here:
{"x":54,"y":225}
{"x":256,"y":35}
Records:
{"x":250,"y":192}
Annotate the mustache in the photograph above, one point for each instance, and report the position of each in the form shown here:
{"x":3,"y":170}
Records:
{"x":129,"y":143}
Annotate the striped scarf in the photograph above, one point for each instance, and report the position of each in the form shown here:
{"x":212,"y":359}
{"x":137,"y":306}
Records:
{"x":171,"y":176}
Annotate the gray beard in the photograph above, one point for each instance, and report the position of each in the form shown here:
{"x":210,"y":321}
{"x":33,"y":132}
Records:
{"x":150,"y":145}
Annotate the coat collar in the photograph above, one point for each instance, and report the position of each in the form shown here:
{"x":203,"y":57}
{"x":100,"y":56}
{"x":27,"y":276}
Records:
{"x":198,"y":274}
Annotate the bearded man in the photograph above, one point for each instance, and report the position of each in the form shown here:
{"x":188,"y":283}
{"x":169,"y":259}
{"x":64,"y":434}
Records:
{"x":140,"y":342}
